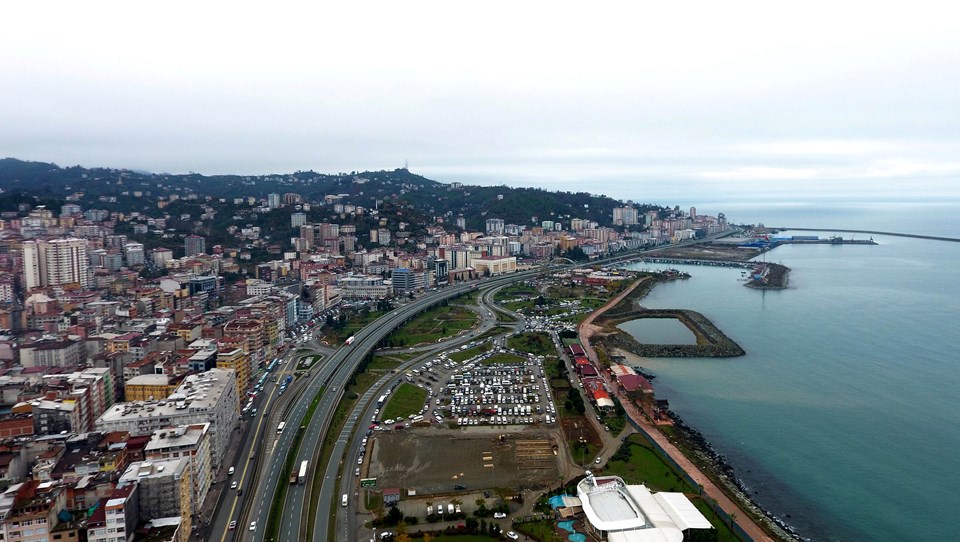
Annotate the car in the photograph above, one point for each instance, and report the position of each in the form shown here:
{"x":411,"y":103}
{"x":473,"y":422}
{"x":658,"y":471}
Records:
{"x":233,"y":525}
{"x":511,"y":535}
{"x":253,"y":526}
{"x":233,"y":485}
{"x":598,"y":460}
{"x":230,"y":471}
{"x":239,"y":492}
{"x":499,"y":515}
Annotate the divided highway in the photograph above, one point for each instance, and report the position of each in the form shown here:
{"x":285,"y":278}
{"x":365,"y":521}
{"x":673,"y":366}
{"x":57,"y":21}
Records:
{"x":268,"y":453}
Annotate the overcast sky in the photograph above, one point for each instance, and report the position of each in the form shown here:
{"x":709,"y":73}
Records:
{"x":726,"y":99}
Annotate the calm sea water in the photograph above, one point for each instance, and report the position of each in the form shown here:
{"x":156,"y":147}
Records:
{"x":844,"y":416}
{"x":659,"y":331}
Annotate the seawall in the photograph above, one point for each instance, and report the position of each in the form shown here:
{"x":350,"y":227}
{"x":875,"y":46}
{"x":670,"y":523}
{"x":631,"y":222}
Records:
{"x":872,"y":232}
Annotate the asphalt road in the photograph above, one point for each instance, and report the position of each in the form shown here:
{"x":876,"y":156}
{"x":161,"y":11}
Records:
{"x":261,"y":453}
{"x":365,"y":341}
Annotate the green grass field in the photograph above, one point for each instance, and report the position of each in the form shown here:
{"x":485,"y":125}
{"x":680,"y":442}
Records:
{"x":407,"y":399}
{"x":387,"y":362}
{"x":536,"y":343}
{"x":540,"y":530}
{"x":646,"y":467}
{"x":461,"y":355}
{"x":436,"y":323}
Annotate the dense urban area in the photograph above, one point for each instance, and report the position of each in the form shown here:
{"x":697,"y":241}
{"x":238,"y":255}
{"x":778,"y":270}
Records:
{"x":334,"y":357}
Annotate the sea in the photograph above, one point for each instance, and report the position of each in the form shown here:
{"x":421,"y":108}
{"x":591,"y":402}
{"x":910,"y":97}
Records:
{"x":843,"y":418}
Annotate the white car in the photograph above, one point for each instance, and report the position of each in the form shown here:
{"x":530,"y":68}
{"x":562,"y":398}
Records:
{"x":499,"y":515}
{"x":512,"y":535}
{"x":253,"y":526}
{"x":233,"y":485}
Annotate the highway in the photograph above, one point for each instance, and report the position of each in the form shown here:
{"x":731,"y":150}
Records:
{"x":346,"y":528}
{"x":263,"y":453}
{"x":371,"y":336}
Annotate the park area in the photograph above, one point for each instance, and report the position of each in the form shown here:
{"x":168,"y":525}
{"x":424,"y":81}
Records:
{"x":432,"y":325}
{"x":405,"y":401}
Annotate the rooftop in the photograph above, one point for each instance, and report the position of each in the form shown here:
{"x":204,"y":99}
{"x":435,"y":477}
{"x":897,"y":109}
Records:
{"x":634,"y":514}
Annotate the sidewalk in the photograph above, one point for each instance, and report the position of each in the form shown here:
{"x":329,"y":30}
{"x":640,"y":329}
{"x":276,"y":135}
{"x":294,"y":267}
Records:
{"x":585,"y":331}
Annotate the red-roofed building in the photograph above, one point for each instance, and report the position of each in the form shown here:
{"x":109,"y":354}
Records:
{"x":634,"y":384}
{"x":587,"y":370}
{"x":602,"y":398}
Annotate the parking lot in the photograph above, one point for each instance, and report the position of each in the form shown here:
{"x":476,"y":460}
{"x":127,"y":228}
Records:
{"x":481,"y":390}
{"x":478,"y":404}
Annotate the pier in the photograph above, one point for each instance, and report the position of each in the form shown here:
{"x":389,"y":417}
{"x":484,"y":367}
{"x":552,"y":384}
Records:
{"x":871,"y":232}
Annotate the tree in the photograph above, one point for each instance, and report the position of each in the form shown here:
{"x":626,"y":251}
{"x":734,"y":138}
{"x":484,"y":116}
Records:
{"x":394,"y":516}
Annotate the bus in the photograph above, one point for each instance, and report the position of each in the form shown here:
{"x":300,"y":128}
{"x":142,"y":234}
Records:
{"x":302,"y":476}
{"x":280,"y":427}
{"x":343,"y":500}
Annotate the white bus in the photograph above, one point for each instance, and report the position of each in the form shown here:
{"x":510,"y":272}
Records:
{"x":343,"y":500}
{"x":280,"y":427}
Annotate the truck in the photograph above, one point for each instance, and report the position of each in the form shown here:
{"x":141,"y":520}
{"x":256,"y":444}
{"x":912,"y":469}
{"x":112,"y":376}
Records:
{"x":349,"y":340}
{"x":302,"y":475}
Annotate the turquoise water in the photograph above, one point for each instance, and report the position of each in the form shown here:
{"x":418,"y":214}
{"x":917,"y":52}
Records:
{"x":659,"y":331}
{"x":844,"y":416}
{"x":556,"y":501}
{"x":574,"y":535}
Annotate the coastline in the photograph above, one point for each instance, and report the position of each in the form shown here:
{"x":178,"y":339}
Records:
{"x":756,"y":522}
{"x":714,"y":465}
{"x":751,"y":519}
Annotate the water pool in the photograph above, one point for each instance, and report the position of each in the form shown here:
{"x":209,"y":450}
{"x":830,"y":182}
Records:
{"x":566,"y":526}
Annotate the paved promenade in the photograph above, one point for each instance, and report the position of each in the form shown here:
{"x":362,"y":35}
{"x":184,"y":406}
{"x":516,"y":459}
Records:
{"x":586,"y":330}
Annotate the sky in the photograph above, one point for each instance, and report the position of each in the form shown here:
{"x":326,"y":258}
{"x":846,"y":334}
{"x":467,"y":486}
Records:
{"x":817,"y":100}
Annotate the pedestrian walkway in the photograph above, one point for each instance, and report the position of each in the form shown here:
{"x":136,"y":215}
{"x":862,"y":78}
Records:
{"x":585,"y":332}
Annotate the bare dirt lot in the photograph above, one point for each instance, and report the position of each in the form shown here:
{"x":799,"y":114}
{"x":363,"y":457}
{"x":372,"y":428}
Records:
{"x":434,"y":461}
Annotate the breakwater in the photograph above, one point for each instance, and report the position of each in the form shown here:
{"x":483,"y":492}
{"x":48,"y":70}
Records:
{"x":711,"y":342}
{"x":874,"y":232}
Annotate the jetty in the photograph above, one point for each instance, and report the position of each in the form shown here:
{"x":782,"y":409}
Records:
{"x":873,"y":232}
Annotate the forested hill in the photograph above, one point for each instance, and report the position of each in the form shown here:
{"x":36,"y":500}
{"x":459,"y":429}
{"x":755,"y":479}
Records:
{"x":51,"y":183}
